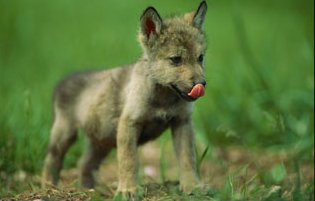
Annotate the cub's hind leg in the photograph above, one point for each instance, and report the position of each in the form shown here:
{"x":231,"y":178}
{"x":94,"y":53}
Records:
{"x":90,"y":162}
{"x":63,"y":135}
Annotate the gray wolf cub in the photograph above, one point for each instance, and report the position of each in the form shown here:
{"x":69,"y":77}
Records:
{"x":128,"y":106}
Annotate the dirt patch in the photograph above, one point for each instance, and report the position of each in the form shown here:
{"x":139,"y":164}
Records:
{"x":233,"y":168}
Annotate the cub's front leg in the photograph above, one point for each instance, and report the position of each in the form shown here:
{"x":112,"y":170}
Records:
{"x":127,"y":136}
{"x":183,"y":141}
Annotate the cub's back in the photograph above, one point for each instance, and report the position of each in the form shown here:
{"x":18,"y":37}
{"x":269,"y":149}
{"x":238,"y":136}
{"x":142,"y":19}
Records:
{"x":78,"y":93}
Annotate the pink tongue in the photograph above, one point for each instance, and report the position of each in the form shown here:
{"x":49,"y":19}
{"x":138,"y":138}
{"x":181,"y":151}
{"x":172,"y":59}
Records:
{"x":197,"y":91}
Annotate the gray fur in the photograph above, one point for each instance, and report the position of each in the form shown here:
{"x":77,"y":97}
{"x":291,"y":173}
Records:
{"x":131,"y":105}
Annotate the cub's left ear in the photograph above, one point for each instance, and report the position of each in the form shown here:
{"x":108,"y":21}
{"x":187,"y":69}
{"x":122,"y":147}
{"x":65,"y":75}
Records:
{"x":151,"y":22}
{"x":200,"y":14}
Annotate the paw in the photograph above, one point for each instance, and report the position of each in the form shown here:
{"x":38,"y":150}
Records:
{"x":48,"y":179}
{"x":204,"y":190}
{"x":129,"y":195}
{"x":196,"y":189}
{"x":187,"y":186}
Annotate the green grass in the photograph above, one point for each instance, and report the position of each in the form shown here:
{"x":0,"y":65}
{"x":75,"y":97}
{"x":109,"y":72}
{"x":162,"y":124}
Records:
{"x":260,"y":75}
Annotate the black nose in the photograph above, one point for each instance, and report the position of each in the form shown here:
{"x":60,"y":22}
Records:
{"x":203,"y":82}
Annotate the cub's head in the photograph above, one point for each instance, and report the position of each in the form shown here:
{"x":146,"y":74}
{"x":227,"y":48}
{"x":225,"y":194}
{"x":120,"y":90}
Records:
{"x":175,"y":49}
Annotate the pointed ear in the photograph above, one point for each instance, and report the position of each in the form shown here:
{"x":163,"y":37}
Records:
{"x":151,"y":22}
{"x":200,"y":15}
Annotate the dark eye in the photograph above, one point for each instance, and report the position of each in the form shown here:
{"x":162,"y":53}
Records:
{"x":176,"y":60}
{"x":200,"y":58}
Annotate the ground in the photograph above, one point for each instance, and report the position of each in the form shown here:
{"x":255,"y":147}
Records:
{"x":233,"y":173}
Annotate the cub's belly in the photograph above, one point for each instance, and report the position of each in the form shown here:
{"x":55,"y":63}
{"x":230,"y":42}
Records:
{"x":152,"y":129}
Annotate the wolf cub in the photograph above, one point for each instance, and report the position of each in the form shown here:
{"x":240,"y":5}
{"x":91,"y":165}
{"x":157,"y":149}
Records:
{"x":128,"y":106}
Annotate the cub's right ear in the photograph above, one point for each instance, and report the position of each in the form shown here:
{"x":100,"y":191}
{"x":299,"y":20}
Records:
{"x":151,"y":22}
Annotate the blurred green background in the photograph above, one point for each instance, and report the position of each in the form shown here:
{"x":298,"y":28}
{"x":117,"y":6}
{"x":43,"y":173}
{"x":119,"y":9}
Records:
{"x":259,"y":66}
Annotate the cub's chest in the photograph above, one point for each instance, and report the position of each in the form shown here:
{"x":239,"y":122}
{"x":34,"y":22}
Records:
{"x":156,"y":122}
{"x":161,"y":114}
{"x":165,"y":112}
{"x":153,"y":128}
